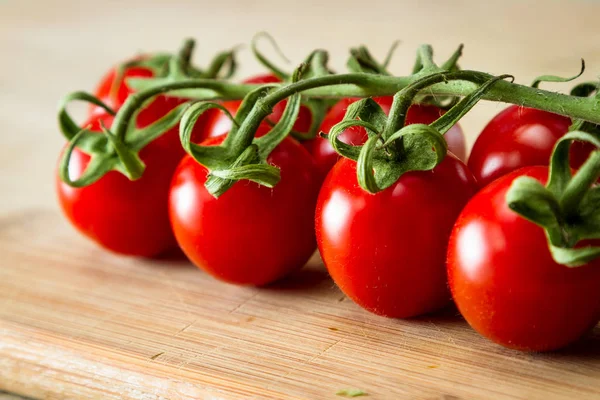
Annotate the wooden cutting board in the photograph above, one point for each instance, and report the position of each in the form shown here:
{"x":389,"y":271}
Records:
{"x":78,"y":322}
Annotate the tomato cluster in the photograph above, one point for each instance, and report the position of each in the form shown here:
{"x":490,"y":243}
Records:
{"x":431,"y":237}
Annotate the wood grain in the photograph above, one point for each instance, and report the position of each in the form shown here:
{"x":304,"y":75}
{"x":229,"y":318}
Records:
{"x":77,"y":322}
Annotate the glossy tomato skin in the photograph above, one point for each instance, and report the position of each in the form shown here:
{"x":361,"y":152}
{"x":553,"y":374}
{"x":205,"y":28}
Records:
{"x":326,"y":157}
{"x":156,"y":109}
{"x":251,"y":235}
{"x":220,"y":124}
{"x":518,"y":137}
{"x":387,"y":251}
{"x":505,"y":282}
{"x":127,"y":217}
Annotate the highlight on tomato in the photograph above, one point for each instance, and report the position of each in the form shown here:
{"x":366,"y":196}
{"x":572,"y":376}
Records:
{"x":518,"y":137}
{"x":113,"y":186}
{"x":523,"y":262}
{"x":387,"y":251}
{"x":247,"y":219}
{"x":385,"y":211}
{"x":121,"y":215}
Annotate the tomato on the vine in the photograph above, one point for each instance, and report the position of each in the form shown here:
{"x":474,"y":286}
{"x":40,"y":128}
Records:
{"x":325,"y":156}
{"x":251,"y":234}
{"x":114,"y":91}
{"x":220,"y":124}
{"x":518,"y":137}
{"x":387,"y":251}
{"x":505,"y":282}
{"x":124,"y":216}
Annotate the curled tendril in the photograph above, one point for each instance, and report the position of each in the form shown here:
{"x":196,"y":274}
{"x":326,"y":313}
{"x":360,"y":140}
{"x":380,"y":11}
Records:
{"x":365,"y":161}
{"x":68,"y":127}
{"x":96,"y":168}
{"x":209,"y":156}
{"x":365,"y":113}
{"x":347,"y":150}
{"x":264,"y":60}
{"x":554,"y":78}
{"x":224,"y":61}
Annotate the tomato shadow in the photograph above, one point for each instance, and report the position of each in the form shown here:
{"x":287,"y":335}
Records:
{"x":309,"y":279}
{"x":447,"y":316}
{"x":173,"y":258}
{"x":586,"y":348}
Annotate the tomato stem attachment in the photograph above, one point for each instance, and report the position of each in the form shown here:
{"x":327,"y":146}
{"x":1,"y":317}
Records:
{"x":568,"y":207}
{"x":416,"y":147}
{"x":242,"y":155}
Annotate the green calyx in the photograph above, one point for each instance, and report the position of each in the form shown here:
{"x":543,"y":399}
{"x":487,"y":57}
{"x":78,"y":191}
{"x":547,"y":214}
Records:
{"x":424,"y":64}
{"x":361,"y":60}
{"x":242,"y":156}
{"x":178,"y":67}
{"x":393,"y":149}
{"x":568,"y":207}
{"x":118,"y":150}
{"x":107,"y":150}
{"x":316,"y":63}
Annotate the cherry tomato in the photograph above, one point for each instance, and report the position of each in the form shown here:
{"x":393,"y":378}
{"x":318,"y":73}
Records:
{"x":387,"y":251}
{"x":250,"y":235}
{"x":124,"y":216}
{"x":518,"y":137}
{"x":221,"y":124}
{"x":505,"y":282}
{"x":326,"y":157}
{"x":157,"y":108}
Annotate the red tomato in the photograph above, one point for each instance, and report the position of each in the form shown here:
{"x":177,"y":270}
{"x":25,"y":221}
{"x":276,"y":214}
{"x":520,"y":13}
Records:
{"x":156,"y":109}
{"x":505,"y":282}
{"x":387,"y":251}
{"x":124,"y":216}
{"x":221,"y":124}
{"x":251,"y":235}
{"x":518,"y":137}
{"x":326,"y":157}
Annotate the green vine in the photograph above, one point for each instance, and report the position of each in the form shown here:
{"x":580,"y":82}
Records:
{"x":568,"y":207}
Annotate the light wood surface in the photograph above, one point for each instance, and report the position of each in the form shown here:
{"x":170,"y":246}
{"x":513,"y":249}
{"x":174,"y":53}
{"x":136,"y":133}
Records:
{"x":76,"y":322}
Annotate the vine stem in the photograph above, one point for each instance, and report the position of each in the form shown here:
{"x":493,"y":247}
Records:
{"x":365,"y":85}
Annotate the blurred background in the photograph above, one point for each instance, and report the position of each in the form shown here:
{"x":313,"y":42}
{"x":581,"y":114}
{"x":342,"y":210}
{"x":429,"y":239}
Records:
{"x":49,"y":48}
